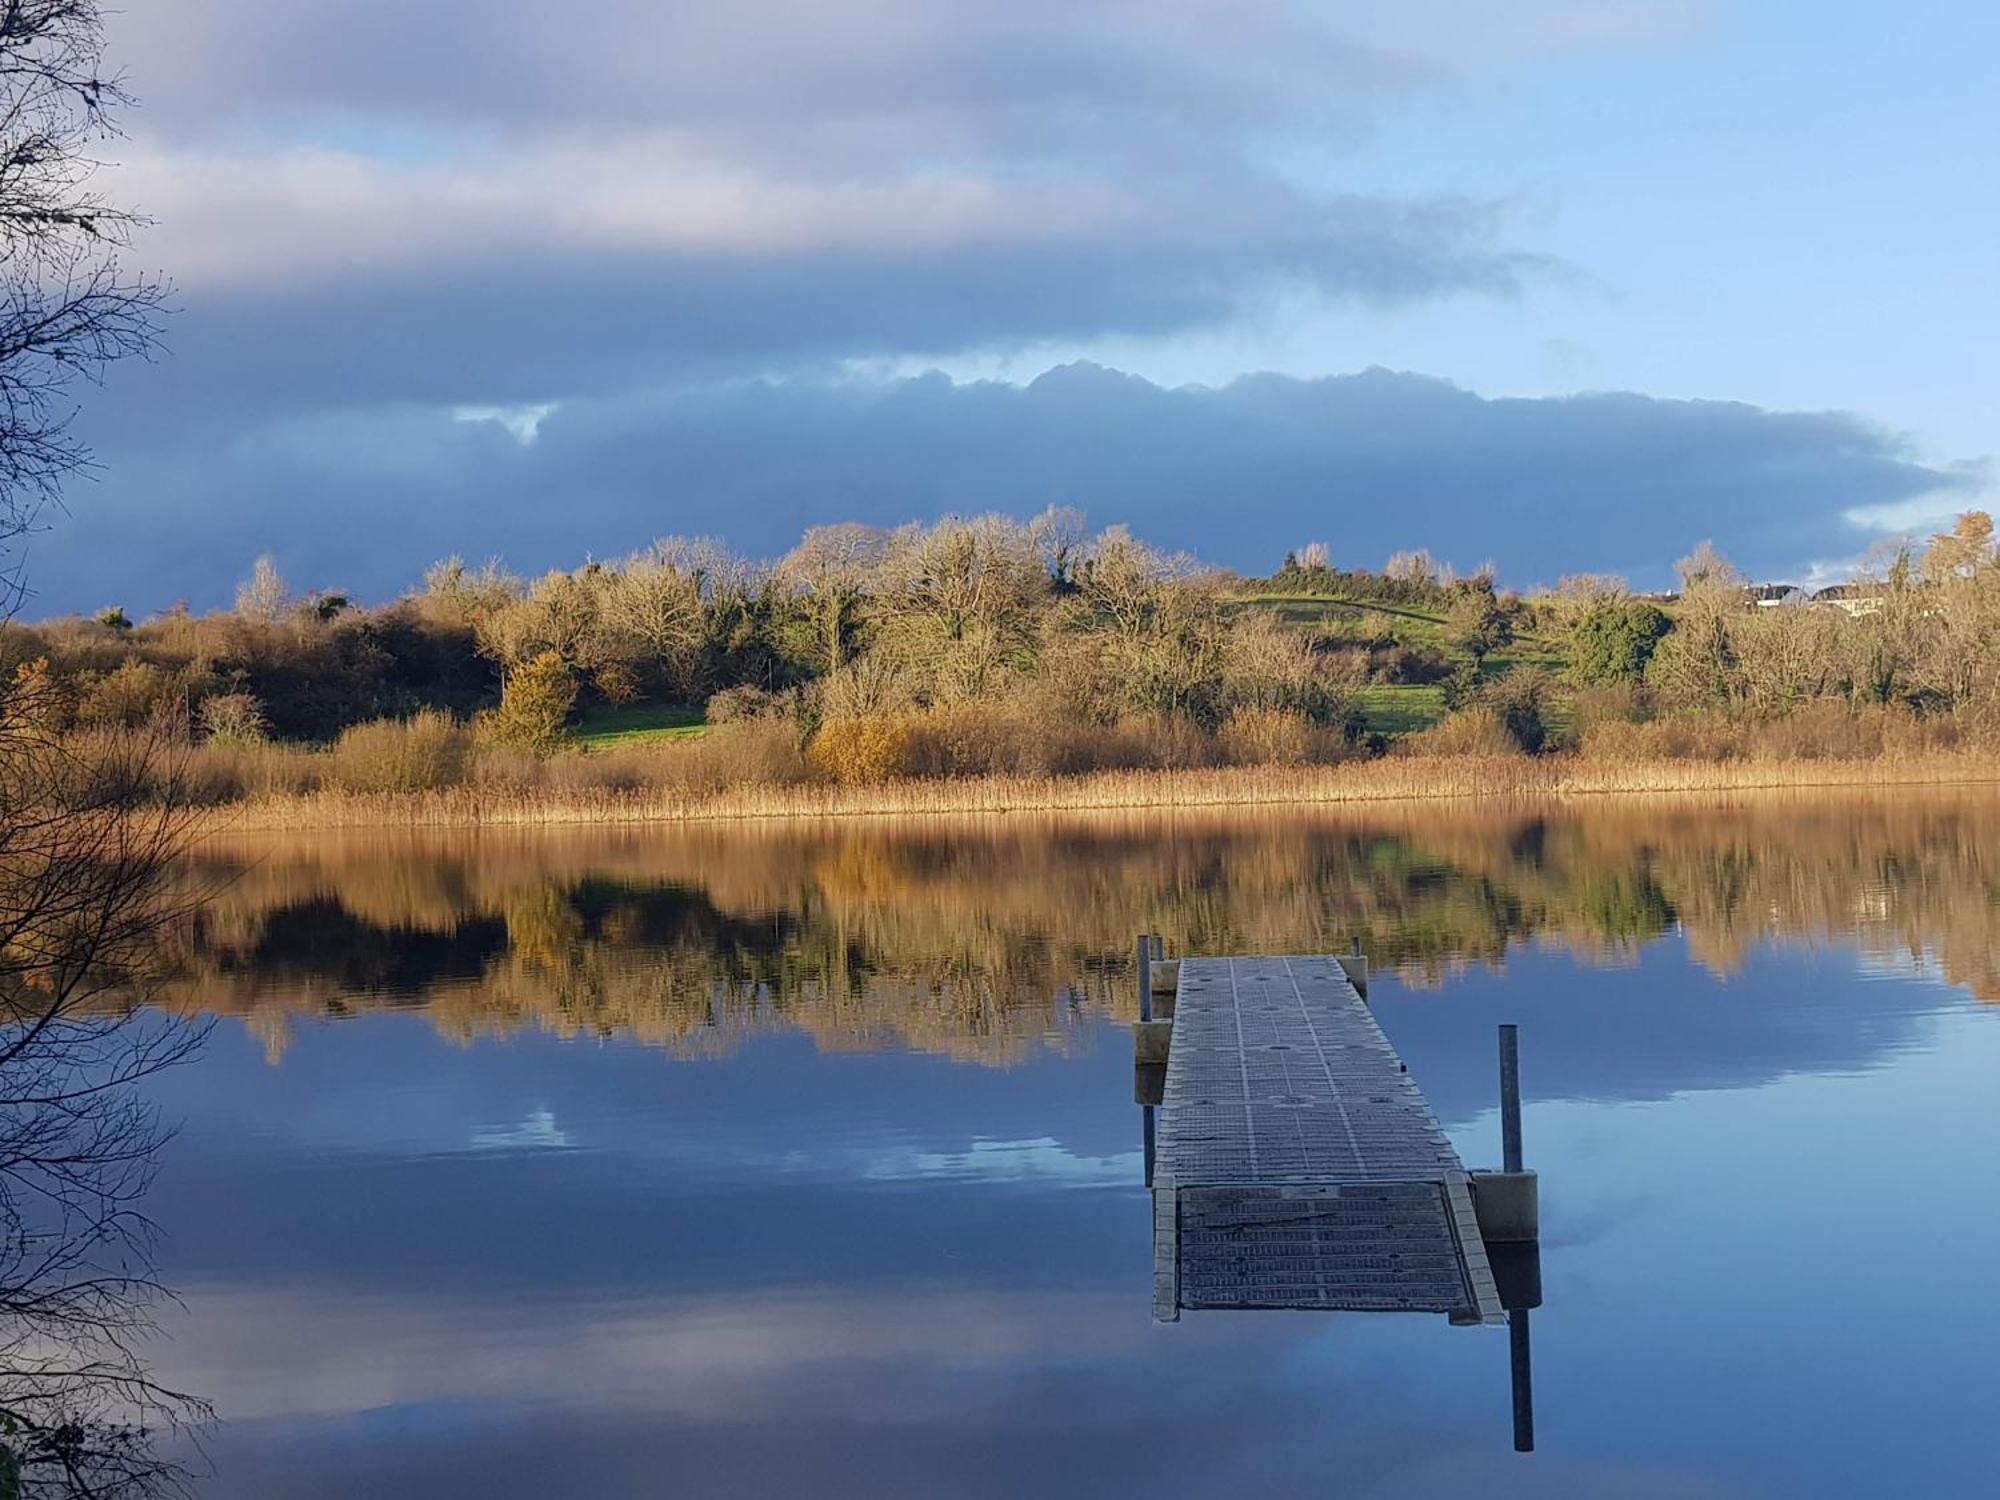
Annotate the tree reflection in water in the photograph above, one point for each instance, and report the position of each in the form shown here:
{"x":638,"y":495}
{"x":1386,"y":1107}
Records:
{"x":83,"y":902}
{"x":983,"y":939}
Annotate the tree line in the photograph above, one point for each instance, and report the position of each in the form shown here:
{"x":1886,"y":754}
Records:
{"x":854,"y":620}
{"x":859,"y":625}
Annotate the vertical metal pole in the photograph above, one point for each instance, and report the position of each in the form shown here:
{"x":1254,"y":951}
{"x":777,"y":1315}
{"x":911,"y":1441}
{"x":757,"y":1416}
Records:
{"x":1354,"y":947}
{"x":1159,"y":948}
{"x":1147,"y":1137}
{"x":1521,"y":1369}
{"x":1145,"y":977}
{"x":1510,"y":1098}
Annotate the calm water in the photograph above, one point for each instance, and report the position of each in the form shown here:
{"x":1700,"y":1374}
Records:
{"x":771,"y":1163}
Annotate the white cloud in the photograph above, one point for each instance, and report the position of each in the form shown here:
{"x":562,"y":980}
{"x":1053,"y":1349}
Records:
{"x":304,"y":1352}
{"x":286,"y":215}
{"x":523,"y":423}
{"x":538,"y":1132}
{"x":1041,"y":1160}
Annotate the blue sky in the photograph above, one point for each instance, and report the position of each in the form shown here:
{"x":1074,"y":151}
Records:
{"x":457,"y":281}
{"x":1778,"y":203}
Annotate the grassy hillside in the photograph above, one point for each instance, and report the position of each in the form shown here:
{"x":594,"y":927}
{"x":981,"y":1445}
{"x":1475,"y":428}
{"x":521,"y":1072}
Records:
{"x":1399,"y":708}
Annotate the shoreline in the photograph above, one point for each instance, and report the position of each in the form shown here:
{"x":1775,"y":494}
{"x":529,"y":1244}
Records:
{"x":1385,"y":781}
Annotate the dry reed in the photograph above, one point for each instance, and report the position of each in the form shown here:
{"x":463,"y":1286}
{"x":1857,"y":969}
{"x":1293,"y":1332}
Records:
{"x":1400,"y":778}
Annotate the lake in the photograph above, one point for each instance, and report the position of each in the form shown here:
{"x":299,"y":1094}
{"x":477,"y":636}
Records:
{"x":804,"y":1160}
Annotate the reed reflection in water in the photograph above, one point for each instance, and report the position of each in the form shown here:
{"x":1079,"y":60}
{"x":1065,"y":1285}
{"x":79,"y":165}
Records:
{"x":982,"y":940}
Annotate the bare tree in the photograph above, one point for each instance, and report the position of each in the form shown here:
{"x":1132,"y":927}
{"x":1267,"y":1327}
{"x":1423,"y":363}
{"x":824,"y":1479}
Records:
{"x":1696,"y":665}
{"x":1706,"y":567}
{"x":86,"y":840}
{"x":67,"y":306}
{"x":1961,"y":569}
{"x":666,"y":607}
{"x":1785,"y":656}
{"x":263,"y":595}
{"x":830,"y":572}
{"x":458,"y":596}
{"x":958,"y":602}
{"x":1126,"y":581}
{"x":1267,"y":664}
{"x":1058,"y":536}
{"x":559,"y":613}
{"x":1591,"y":589}
{"x":1410,"y":567}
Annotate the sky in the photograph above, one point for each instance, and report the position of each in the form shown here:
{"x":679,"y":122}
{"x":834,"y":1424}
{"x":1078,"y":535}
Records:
{"x":1566,"y":285}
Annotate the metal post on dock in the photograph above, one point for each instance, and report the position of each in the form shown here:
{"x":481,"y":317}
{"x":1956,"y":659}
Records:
{"x":1508,"y":1201}
{"x":1510,"y":1098}
{"x":1145,"y":977}
{"x":1521,"y":1373}
{"x":1522,"y":1192}
{"x":1159,"y":948}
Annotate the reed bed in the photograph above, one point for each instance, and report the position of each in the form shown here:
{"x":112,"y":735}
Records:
{"x":1393,"y":779}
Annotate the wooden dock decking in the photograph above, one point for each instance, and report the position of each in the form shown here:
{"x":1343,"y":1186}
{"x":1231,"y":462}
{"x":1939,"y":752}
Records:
{"x":1296,"y":1164}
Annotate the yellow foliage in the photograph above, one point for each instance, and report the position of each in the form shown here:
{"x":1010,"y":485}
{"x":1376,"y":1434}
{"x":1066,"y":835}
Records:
{"x":534,"y":704}
{"x":862,"y":751}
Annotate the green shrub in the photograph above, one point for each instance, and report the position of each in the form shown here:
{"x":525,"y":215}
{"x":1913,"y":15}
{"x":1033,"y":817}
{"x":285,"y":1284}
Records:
{"x":1520,"y":698}
{"x":1615,"y":639}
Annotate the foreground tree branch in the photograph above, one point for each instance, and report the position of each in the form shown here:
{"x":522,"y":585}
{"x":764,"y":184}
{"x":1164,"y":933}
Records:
{"x":87,"y":836}
{"x":68,"y":307}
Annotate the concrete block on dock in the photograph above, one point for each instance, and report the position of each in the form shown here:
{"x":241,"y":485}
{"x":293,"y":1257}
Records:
{"x":1151,"y":1041}
{"x":1149,"y":1083}
{"x":1508,"y":1206}
{"x":1517,"y":1273}
{"x":1166,"y":976}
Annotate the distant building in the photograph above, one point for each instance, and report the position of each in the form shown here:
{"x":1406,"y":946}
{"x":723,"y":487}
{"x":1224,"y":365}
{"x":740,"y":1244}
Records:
{"x":1856,"y":598}
{"x":1776,"y":595}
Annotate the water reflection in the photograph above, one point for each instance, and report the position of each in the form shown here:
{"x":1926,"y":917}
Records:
{"x":955,"y":939}
{"x":1262,"y":1245}
{"x":452,"y":1221}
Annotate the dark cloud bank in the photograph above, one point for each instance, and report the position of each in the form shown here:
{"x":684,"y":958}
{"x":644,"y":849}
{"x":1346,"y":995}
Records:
{"x":1370,"y":463}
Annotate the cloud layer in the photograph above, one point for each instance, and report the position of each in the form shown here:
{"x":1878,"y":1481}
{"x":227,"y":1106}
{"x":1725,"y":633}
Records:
{"x":643,"y":242}
{"x":461,"y":201}
{"x":1370,"y":463}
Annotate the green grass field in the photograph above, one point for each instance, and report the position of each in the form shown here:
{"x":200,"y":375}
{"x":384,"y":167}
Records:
{"x":642,"y":724}
{"x":1395,"y":709}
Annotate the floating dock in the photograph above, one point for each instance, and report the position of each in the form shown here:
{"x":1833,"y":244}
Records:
{"x":1295,"y":1163}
